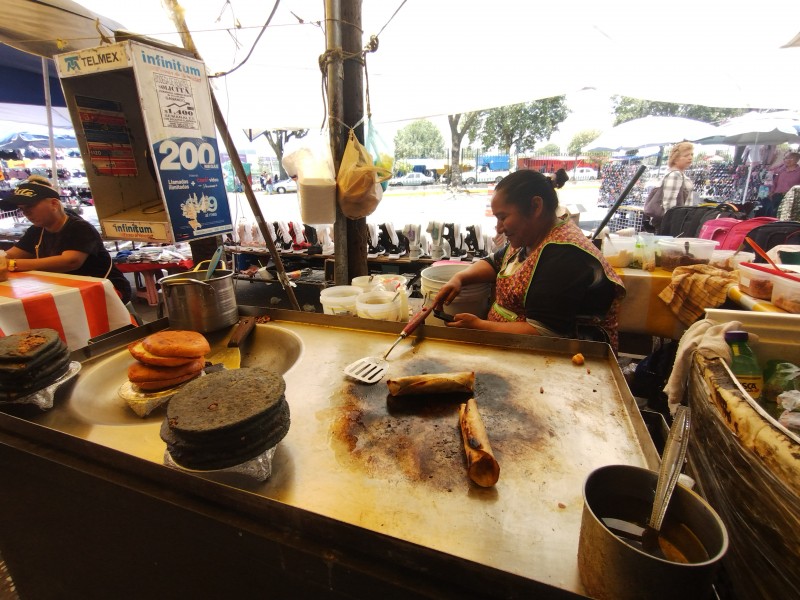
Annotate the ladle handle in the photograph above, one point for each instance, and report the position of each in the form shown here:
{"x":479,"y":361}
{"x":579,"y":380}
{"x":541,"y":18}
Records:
{"x":671,"y":464}
{"x":760,"y":251}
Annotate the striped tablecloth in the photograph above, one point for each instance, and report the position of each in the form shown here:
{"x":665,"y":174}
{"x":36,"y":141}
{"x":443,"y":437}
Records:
{"x":642,"y":311}
{"x":749,"y":303}
{"x":78,"y":307}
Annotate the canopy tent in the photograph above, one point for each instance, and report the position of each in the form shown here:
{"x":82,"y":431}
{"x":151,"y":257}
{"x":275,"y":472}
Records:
{"x":756,"y":128}
{"x":467,"y":56}
{"x":650,"y":131}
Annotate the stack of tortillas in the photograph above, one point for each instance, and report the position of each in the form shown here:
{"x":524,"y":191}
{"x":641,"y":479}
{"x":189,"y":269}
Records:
{"x":167,"y":358}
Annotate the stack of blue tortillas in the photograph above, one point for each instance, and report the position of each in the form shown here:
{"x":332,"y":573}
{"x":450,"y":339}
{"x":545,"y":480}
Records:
{"x":226,"y":418}
{"x":30,"y":361}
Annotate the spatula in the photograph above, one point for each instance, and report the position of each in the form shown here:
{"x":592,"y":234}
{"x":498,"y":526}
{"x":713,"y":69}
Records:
{"x":371,"y":369}
{"x":231,"y":355}
{"x":214,"y":262}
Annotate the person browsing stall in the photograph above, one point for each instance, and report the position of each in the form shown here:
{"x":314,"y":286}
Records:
{"x":784,"y":177}
{"x":56,"y":241}
{"x":550,"y":279}
{"x":680,"y":159}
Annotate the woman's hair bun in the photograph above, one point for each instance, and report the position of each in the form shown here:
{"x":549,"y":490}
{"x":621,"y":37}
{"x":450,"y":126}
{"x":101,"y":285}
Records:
{"x":560,"y":177}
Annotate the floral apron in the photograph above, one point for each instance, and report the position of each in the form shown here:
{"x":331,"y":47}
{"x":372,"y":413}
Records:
{"x":512,"y":289}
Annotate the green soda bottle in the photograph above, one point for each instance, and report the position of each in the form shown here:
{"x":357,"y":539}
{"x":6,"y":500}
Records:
{"x":744,"y":364}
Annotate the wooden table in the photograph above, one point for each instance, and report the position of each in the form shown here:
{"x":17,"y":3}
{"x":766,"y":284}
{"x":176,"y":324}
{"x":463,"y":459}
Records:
{"x":148,"y":272}
{"x":78,"y":308}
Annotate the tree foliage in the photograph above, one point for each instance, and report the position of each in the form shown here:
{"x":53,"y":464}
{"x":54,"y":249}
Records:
{"x":626,"y":108}
{"x":522,"y":125}
{"x":277,"y":140}
{"x":550,"y":149}
{"x":581,"y":139}
{"x":417,"y":140}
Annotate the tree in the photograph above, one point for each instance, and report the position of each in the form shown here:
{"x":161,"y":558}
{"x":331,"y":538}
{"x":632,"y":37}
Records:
{"x":417,"y":140}
{"x":469,"y":126}
{"x":549,"y":150}
{"x":626,"y":108}
{"x":277,"y":140}
{"x":522,"y":125}
{"x":581,"y":139}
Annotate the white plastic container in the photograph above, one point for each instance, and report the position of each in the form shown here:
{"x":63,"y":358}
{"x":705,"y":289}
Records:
{"x":754,"y":282}
{"x":680,"y":252}
{"x":379,"y":305}
{"x":366,"y":283}
{"x":474,"y":299}
{"x":340,"y":299}
{"x":317,"y":198}
{"x":786,"y":294}
{"x":619,"y":251}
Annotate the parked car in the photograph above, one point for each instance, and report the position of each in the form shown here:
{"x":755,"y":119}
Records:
{"x":412,"y":179}
{"x":583,"y":173}
{"x":286,"y":185}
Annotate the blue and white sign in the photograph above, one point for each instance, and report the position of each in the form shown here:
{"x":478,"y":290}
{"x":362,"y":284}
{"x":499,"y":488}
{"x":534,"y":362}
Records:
{"x":176,"y":104}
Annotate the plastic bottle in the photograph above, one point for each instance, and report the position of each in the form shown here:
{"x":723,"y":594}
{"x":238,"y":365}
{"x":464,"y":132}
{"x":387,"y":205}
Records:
{"x":744,"y":363}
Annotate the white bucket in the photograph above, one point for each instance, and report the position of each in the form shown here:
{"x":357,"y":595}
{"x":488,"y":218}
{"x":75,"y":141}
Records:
{"x":379,"y":306}
{"x":474,"y":298}
{"x":367,"y":283}
{"x":340,"y":299}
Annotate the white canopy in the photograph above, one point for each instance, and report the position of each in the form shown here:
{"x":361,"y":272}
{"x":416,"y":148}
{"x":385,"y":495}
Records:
{"x":437,"y":58}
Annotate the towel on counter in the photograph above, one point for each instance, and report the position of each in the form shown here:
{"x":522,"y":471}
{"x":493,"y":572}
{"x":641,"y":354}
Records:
{"x":707,"y":338}
{"x":695,"y":288}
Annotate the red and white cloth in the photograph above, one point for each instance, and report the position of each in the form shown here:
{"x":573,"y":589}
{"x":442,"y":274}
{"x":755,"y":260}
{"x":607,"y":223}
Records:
{"x":77,"y":307}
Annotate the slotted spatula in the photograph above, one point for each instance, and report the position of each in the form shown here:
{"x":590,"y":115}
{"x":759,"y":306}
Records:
{"x":371,"y":369}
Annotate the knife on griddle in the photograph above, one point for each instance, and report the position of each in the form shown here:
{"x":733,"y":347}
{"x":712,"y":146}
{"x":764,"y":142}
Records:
{"x":231,"y":356}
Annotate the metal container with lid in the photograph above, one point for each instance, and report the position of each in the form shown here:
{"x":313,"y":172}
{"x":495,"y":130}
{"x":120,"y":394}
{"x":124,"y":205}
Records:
{"x":197,"y":304}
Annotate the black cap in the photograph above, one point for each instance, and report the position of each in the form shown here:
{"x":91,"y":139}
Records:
{"x":736,"y":336}
{"x":28,"y":194}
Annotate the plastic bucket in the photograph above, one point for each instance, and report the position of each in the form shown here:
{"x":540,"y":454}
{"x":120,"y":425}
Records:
{"x":379,"y":306}
{"x":366,"y":283}
{"x":340,"y":299}
{"x":474,"y":298}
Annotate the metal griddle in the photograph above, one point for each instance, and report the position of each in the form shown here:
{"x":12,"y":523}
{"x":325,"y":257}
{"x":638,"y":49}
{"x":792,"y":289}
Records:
{"x":396,"y":466}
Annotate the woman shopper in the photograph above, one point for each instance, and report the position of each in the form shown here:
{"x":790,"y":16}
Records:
{"x":784,"y":177}
{"x":550,"y":279}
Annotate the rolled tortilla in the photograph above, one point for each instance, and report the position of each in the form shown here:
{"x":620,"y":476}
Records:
{"x":434,"y":383}
{"x":482,"y":467}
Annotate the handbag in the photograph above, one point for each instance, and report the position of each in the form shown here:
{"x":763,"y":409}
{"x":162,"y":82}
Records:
{"x":654,"y":205}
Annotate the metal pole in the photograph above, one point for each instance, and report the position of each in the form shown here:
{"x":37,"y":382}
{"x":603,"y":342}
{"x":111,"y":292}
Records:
{"x":48,"y":103}
{"x":620,"y":200}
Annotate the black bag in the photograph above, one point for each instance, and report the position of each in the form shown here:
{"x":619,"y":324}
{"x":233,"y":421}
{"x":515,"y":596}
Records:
{"x":654,"y":205}
{"x":687,"y":221}
{"x":773,"y":234}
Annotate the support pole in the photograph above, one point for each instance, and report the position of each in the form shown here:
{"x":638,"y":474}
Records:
{"x":345,"y":108}
{"x":219,"y":120}
{"x":49,"y":107}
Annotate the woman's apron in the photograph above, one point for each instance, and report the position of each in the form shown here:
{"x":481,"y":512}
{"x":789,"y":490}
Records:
{"x":512,"y":289}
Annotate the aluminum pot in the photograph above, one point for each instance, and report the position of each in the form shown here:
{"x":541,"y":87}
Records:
{"x":199,"y":305}
{"x":611,"y":568}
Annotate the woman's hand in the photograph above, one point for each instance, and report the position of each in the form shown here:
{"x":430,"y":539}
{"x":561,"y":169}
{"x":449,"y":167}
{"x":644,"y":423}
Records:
{"x":447,"y":293}
{"x":465,"y":321}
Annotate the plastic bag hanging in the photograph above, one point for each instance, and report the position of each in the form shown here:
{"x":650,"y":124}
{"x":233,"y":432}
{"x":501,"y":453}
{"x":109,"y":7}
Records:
{"x":384,"y":157}
{"x":310,"y":160}
{"x":358,"y":181}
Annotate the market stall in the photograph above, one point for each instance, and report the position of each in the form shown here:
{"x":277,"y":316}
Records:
{"x":368,"y":493}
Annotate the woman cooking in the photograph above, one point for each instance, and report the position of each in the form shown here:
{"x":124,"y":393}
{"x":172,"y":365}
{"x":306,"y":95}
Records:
{"x":550,"y":280}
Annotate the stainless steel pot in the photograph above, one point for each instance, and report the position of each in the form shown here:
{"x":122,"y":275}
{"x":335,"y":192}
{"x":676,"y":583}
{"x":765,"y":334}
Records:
{"x":199,"y":305}
{"x":622,"y":495}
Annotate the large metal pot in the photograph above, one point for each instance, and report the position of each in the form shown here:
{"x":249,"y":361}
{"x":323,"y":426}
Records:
{"x":199,"y":305}
{"x":613,"y":569}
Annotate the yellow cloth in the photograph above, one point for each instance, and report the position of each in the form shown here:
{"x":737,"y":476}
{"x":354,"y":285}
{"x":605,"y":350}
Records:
{"x":695,"y":288}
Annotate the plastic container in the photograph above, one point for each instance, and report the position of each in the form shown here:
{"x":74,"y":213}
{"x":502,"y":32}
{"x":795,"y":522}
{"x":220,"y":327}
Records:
{"x":786,"y":294}
{"x":474,"y":298}
{"x":681,"y":252}
{"x":317,"y":198}
{"x":366,"y":283}
{"x":340,"y":299}
{"x":754,"y":282}
{"x":619,"y":251}
{"x":379,"y":305}
{"x":730,"y":259}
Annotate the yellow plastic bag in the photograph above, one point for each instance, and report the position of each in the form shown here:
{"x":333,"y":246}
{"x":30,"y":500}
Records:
{"x":358,"y":182}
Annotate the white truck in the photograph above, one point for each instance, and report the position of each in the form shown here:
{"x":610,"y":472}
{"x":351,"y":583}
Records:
{"x":482,"y":175}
